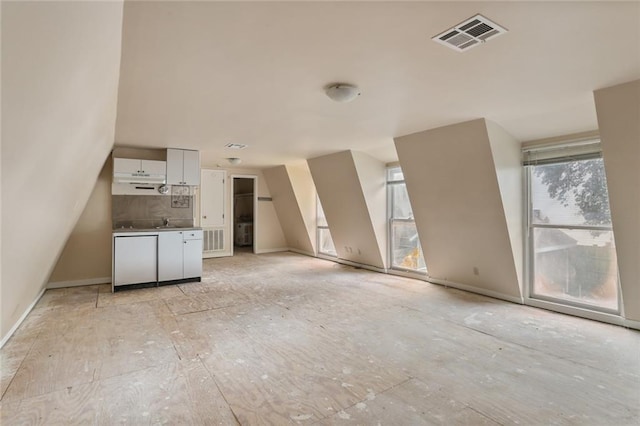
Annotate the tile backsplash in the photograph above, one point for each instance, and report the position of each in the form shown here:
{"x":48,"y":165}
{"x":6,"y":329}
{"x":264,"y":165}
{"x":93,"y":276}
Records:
{"x":148,"y":211}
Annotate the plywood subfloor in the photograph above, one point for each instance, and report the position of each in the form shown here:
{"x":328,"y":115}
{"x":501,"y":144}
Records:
{"x":286,"y":339}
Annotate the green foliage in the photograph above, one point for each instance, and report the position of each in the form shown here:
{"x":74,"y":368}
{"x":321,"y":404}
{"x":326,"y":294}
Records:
{"x":583,"y":182}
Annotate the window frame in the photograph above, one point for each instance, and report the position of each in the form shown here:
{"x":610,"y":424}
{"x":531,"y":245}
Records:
{"x":319,"y":228}
{"x":391,"y":183}
{"x":549,"y":302}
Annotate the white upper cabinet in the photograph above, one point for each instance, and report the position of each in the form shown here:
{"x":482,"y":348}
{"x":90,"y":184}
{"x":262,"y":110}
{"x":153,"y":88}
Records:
{"x":129,"y":165}
{"x":183,"y":167}
{"x":154,"y":167}
{"x":126,"y":165}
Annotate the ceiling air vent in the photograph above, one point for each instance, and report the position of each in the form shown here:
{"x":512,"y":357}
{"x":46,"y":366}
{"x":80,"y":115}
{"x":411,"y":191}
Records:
{"x":235,"y":146}
{"x":470,"y":33}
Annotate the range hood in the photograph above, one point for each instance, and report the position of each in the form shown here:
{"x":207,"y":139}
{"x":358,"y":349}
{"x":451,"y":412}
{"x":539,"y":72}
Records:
{"x":148,"y":178}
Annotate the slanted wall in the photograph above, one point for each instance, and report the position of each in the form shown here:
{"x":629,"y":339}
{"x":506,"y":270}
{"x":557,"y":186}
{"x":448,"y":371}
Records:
{"x":288,"y":208}
{"x":60,"y":69}
{"x":352,"y":207}
{"x":618,"y":110}
{"x":463,"y":216}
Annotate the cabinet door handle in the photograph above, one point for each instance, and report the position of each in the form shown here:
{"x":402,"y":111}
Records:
{"x":204,"y":217}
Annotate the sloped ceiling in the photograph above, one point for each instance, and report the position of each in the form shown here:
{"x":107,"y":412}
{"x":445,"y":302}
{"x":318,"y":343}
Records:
{"x":202,"y":74}
{"x":60,"y":64}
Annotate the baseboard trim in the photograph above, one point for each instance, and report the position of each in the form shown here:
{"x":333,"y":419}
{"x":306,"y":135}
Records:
{"x":582,"y":313}
{"x":306,"y":253}
{"x":6,"y":338}
{"x":272,"y":250}
{"x":408,"y":274}
{"x":632,"y":324}
{"x":472,"y":289}
{"x":214,"y":255}
{"x":360,"y":265}
{"x":79,"y":283}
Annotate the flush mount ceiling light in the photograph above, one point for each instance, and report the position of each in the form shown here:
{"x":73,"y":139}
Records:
{"x":234,"y":160}
{"x":342,"y":92}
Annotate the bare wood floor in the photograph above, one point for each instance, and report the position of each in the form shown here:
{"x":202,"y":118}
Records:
{"x":283,"y":338}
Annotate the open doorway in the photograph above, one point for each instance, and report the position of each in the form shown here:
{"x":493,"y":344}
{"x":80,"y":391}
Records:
{"x":243,"y":213}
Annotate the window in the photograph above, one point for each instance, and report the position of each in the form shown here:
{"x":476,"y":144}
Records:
{"x":404,"y":248}
{"x":325,"y":242}
{"x":572,"y":250}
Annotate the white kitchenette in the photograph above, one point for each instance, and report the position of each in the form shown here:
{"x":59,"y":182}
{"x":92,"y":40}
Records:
{"x":154,"y":240}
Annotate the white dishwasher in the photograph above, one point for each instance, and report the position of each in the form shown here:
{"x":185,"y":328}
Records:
{"x":135,"y":260}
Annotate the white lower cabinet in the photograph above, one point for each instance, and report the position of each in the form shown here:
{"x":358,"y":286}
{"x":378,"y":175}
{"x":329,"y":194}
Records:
{"x":161,"y":257}
{"x":179,"y":255}
{"x":192,"y":254}
{"x":135,"y":260}
{"x":170,"y":257}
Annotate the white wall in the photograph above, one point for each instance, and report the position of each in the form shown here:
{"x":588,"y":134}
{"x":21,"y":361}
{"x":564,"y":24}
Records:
{"x":60,"y":70}
{"x":86,"y":257}
{"x":618,"y":110}
{"x":457,"y":203}
{"x":305,"y":192}
{"x":268,"y":234}
{"x":372,"y":175}
{"x":346,"y":206}
{"x":507,"y":161}
{"x":285,"y":202}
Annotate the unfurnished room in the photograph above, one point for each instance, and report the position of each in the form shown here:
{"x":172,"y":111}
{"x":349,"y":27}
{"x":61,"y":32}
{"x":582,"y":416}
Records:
{"x":318,"y":212}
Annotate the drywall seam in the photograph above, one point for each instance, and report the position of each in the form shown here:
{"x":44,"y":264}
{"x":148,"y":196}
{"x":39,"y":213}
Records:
{"x":79,"y":283}
{"x":477,"y":290}
{"x":13,"y":329}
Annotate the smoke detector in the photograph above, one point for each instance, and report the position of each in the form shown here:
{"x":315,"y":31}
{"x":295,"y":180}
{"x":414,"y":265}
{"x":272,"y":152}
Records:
{"x":470,"y":33}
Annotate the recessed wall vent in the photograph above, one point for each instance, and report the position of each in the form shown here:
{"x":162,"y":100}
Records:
{"x":470,"y":33}
{"x":235,"y":146}
{"x":213,"y":240}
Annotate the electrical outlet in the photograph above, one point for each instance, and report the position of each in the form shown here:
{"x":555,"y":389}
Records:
{"x":476,"y":271}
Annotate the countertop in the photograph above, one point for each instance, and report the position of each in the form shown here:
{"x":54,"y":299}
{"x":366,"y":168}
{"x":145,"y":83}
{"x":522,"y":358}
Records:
{"x":160,"y":229}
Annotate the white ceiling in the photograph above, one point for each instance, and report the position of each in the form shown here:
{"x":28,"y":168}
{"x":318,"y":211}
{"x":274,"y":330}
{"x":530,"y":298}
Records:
{"x":203,"y":74}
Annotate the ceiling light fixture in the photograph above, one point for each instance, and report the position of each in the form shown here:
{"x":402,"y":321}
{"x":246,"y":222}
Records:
{"x":342,"y":92}
{"x":234,"y":160}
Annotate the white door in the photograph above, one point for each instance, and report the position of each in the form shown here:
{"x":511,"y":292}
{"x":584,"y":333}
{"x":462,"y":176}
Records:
{"x":212,"y":198}
{"x":191,"y":167}
{"x":170,"y":256}
{"x":135,"y":260}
